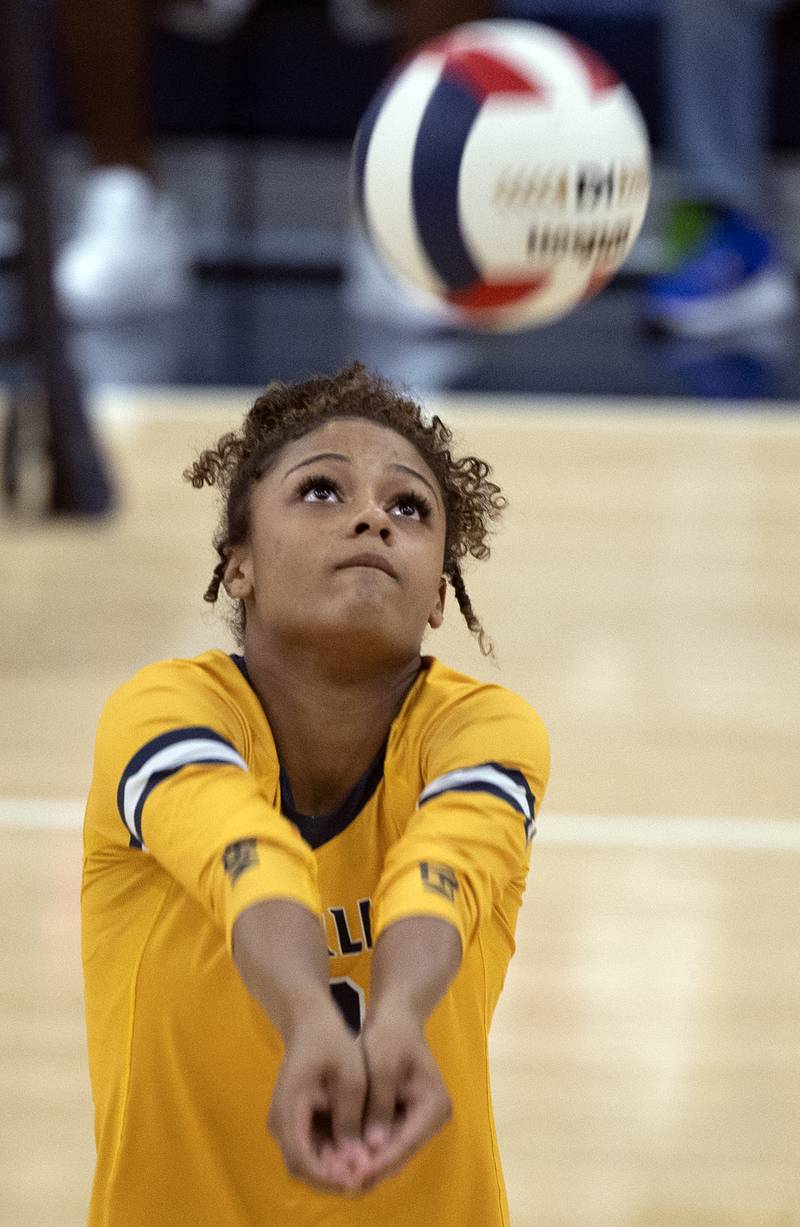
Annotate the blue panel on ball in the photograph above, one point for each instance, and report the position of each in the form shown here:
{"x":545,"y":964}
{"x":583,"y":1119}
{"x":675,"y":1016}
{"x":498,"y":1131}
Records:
{"x":439,"y":149}
{"x":360,"y":150}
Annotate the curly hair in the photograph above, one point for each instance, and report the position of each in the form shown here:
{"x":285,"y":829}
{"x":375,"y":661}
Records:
{"x":286,"y":412}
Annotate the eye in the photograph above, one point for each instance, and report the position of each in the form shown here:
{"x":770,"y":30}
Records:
{"x":411,"y":506}
{"x":318,"y":489}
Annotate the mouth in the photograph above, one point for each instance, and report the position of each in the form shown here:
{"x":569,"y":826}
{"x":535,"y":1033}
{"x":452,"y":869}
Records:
{"x":376,"y":561}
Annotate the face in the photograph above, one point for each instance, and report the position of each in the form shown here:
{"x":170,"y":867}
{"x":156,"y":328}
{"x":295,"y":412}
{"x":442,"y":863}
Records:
{"x":346,"y":546}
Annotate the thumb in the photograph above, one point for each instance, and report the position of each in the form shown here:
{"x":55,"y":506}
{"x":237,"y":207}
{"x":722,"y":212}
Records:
{"x":347,"y":1094}
{"x":385,"y":1075}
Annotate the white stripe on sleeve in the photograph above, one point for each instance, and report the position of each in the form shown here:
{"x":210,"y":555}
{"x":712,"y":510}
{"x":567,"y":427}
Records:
{"x":171,"y":758}
{"x":485,"y":774}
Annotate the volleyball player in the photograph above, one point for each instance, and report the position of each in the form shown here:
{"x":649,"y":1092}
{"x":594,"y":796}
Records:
{"x":304,"y":863}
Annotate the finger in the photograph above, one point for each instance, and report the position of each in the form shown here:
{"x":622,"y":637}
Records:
{"x":347,"y":1164}
{"x":348,"y":1092}
{"x":308,"y":1157}
{"x":339,"y":1168}
{"x":424,"y":1116}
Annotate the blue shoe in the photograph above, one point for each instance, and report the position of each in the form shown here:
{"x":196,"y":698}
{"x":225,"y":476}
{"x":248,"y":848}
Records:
{"x":748,"y":367}
{"x":732,"y":280}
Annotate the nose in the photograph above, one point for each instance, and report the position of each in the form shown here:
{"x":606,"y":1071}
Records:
{"x":373,"y":521}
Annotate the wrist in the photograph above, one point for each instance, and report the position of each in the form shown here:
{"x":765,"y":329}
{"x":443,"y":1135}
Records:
{"x":414,"y":961}
{"x":279,"y":948}
{"x":396,"y":1004}
{"x":309,"y":1005}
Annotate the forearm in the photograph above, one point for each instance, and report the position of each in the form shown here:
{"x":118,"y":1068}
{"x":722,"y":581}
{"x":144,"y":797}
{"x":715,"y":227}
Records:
{"x":413,"y":963}
{"x":279,"y":948}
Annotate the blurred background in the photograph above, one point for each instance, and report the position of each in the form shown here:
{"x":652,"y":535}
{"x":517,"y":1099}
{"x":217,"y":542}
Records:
{"x":175,"y":232}
{"x":240,"y":114}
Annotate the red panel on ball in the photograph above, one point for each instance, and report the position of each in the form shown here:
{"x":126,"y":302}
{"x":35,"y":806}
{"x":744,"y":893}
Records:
{"x":484,"y":295}
{"x":485,"y":74}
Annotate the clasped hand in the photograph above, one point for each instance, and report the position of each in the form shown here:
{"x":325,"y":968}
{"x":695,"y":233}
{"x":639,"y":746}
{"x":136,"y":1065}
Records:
{"x":348,"y":1111}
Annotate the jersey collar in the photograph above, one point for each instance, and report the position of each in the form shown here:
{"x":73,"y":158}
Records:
{"x":319,"y":829}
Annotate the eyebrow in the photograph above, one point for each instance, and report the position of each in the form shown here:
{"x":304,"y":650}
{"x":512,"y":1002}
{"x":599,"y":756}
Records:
{"x":404,"y":468}
{"x":314,"y":459}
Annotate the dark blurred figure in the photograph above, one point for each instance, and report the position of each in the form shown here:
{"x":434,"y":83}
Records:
{"x":129,"y":252}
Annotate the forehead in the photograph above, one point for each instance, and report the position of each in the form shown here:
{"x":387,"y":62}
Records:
{"x":364,"y":442}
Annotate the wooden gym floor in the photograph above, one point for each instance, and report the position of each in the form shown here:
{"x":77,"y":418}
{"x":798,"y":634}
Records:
{"x":644,"y":595}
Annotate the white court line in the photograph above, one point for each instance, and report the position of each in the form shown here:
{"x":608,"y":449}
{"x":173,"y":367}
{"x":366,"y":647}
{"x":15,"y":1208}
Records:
{"x":673,"y":831}
{"x":41,"y":813}
{"x":581,"y":830}
{"x":124,"y":406}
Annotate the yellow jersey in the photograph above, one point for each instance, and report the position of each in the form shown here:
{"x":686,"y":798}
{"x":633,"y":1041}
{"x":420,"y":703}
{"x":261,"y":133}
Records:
{"x":189,"y":821}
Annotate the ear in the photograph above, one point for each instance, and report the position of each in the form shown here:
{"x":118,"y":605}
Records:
{"x":238,"y":576}
{"x":436,"y":616}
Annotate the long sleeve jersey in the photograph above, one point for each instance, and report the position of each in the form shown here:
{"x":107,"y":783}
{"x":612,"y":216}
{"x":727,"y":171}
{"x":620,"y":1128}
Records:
{"x":190,"y":820}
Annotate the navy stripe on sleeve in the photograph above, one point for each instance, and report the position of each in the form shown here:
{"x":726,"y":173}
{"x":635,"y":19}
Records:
{"x":505,"y":783}
{"x":161,"y":758}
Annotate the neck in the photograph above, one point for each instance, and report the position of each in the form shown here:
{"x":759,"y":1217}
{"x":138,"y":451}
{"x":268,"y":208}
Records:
{"x":329,"y":720}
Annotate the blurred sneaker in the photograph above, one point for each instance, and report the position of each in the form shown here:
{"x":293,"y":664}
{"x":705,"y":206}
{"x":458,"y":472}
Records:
{"x":730,"y":277}
{"x":736,"y":368}
{"x":129,"y":254}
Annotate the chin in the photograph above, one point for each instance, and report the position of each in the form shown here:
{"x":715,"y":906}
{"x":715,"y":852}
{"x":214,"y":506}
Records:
{"x":366,"y":629}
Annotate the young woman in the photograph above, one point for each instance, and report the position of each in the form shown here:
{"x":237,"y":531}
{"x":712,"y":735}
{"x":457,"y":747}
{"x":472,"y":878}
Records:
{"x":303,"y":864}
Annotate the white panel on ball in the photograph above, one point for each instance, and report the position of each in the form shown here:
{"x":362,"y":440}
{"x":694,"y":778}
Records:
{"x":388,"y":202}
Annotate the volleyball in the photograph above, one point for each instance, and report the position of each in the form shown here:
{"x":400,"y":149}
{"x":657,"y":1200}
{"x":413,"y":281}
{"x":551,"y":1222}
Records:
{"x":505,"y":169}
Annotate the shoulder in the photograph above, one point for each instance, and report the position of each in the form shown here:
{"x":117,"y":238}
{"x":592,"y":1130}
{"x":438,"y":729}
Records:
{"x":168,"y":715}
{"x":206,"y":691}
{"x":456,"y":719}
{"x":448,"y":694}
{"x":212,"y":673}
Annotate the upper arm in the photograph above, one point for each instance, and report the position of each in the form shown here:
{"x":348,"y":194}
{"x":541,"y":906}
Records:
{"x":492,"y":745}
{"x":485,"y":765}
{"x":172,"y":781}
